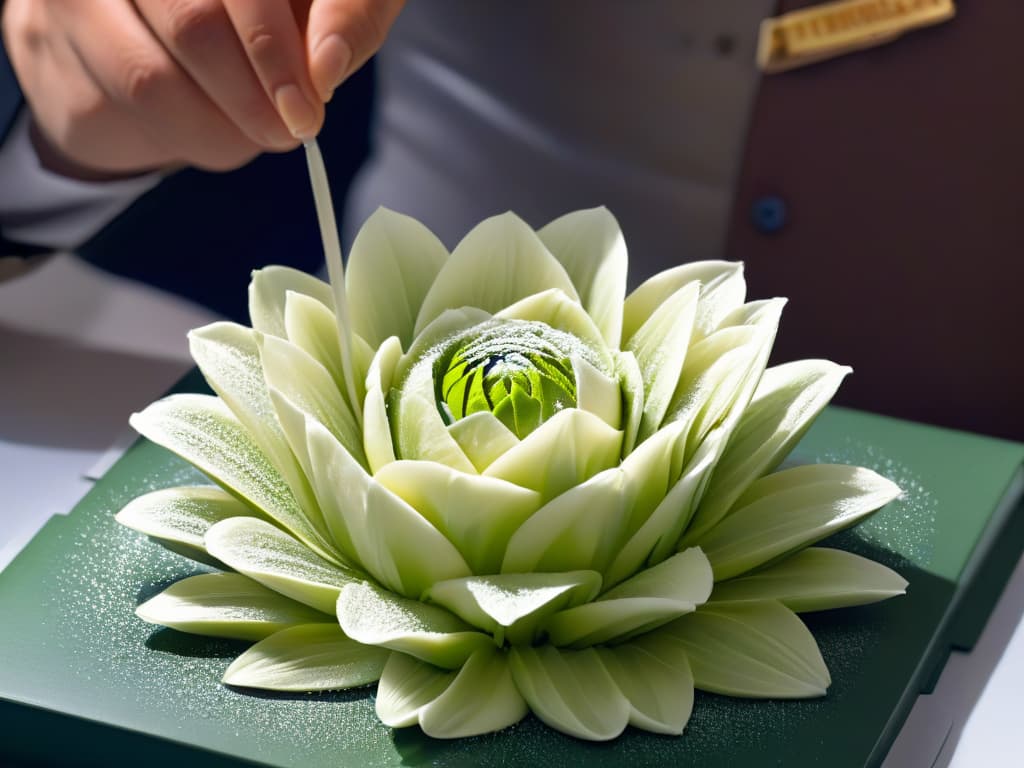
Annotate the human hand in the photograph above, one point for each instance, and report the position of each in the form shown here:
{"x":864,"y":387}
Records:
{"x":119,"y":87}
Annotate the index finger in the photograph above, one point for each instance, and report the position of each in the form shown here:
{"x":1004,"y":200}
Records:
{"x":342,"y":35}
{"x":271,"y":38}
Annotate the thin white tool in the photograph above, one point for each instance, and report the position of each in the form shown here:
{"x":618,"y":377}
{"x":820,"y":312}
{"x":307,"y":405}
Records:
{"x":335,"y":267}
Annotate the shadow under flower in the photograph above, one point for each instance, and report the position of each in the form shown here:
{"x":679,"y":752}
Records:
{"x":327,"y":697}
{"x":167,"y":640}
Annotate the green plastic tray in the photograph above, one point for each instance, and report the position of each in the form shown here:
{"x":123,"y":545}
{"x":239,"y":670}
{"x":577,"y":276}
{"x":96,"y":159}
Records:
{"x":84,"y":682}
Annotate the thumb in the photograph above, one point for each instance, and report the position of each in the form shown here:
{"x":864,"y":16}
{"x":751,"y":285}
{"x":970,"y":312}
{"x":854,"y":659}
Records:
{"x":342,"y":34}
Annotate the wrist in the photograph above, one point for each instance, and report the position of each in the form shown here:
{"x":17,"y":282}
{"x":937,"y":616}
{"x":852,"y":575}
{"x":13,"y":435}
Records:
{"x":56,"y":161}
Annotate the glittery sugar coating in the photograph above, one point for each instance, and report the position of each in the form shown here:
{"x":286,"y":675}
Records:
{"x":516,"y":510}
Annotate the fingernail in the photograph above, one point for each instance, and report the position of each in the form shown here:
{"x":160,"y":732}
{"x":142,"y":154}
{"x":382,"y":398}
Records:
{"x":334,"y":56}
{"x":297,"y":113}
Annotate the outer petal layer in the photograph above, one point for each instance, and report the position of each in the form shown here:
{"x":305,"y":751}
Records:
{"x":180,"y":517}
{"x":785,"y":404}
{"x":202,"y":430}
{"x":226,"y":605}
{"x":229,"y":357}
{"x":482,"y":698}
{"x":407,"y":685}
{"x":375,"y":616}
{"x":273,"y":558}
{"x":788,"y":510}
{"x":571,"y":691}
{"x":815,"y":580}
{"x":309,"y":657}
{"x":760,"y":650}
{"x":654,"y":675}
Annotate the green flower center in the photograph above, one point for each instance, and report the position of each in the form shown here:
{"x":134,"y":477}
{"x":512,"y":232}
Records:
{"x":517,"y":370}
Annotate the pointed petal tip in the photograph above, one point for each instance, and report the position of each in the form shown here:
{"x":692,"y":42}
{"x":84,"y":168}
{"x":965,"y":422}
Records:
{"x":144,"y":612}
{"x":887,"y":489}
{"x":234,"y":674}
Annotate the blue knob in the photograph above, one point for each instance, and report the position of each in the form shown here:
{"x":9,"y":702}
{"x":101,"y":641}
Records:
{"x":769,"y":214}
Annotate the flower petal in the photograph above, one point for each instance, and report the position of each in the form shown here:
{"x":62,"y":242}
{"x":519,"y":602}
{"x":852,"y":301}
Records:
{"x":788,"y":510}
{"x":482,"y":437}
{"x":660,"y":346}
{"x":362,"y":356}
{"x":613,"y":620}
{"x":477,"y":514}
{"x":481,"y":699}
{"x":571,"y":691}
{"x":580,"y":529}
{"x":664,"y":528}
{"x":499,"y":262}
{"x":589,"y":244}
{"x":554,"y":308}
{"x":562,"y":452}
{"x":406,"y":686}
{"x":375,"y":616}
{"x":229,"y":357}
{"x":377,"y":443}
{"x":631,"y":381}
{"x":664,"y":501}
{"x":225,"y":605}
{"x":293,"y":374}
{"x":419,"y":432}
{"x":685,"y":576}
{"x":654,"y":675}
{"x":722,"y":290}
{"x":393,"y":262}
{"x":309,"y":657}
{"x":787,"y":400}
{"x":417,"y":428}
{"x":712,"y":379}
{"x":759,"y":650}
{"x":391,"y":540}
{"x":718,"y":380}
{"x":510,"y":606}
{"x":597,"y":393}
{"x":815,"y":579}
{"x":649,"y":599}
{"x":721,"y":373}
{"x":309,"y":324}
{"x":179,"y":517}
{"x":268,"y":296}
{"x":270,"y":556}
{"x":293,"y":424}
{"x":202,"y":430}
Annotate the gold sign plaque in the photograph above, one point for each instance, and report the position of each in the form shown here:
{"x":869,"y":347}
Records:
{"x":831,"y":29}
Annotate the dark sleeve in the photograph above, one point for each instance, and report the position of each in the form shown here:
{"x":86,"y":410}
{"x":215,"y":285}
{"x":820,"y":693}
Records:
{"x":10,"y":105}
{"x":200,"y":235}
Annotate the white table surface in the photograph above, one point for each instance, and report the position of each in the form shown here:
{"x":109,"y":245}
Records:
{"x":79,"y":351}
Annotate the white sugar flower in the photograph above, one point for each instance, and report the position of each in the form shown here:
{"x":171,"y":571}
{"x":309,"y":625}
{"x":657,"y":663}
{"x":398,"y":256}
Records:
{"x":498,"y":485}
